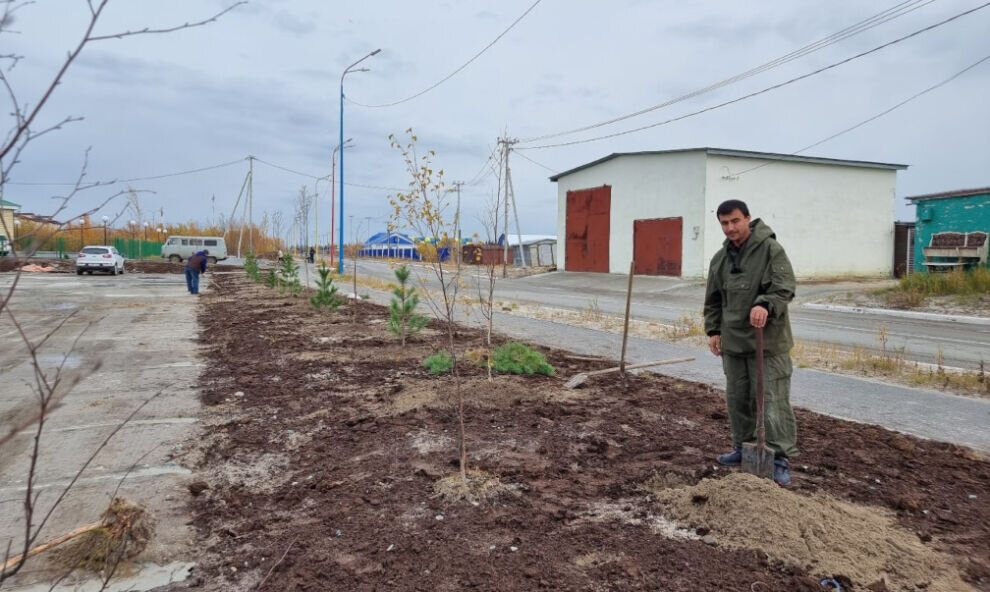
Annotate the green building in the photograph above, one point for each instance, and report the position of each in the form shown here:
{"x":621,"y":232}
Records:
{"x":955,"y":216}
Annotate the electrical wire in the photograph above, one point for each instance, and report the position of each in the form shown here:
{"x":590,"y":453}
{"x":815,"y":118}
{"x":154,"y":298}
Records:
{"x":485,"y":170}
{"x":455,"y":72}
{"x":765,"y":90}
{"x":876,"y":20}
{"x":554,"y":171}
{"x":134,"y":179}
{"x":315,"y":177}
{"x":875,"y":117}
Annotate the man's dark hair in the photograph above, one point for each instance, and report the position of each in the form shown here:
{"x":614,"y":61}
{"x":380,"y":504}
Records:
{"x":730,"y":205}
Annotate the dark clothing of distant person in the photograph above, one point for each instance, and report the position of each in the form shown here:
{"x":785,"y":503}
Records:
{"x":195,"y":265}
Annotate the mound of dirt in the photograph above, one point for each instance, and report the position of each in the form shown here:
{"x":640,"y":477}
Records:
{"x":818,"y":533}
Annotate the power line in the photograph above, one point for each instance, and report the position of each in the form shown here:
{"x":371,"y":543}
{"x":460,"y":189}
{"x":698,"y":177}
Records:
{"x":850,"y":31}
{"x":307,"y":175}
{"x":554,"y":171}
{"x":767,"y":89}
{"x":134,"y":179}
{"x":485,"y":169}
{"x":452,"y":74}
{"x":878,"y":115}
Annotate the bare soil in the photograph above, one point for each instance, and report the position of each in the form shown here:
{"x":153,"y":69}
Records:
{"x":329,"y":441}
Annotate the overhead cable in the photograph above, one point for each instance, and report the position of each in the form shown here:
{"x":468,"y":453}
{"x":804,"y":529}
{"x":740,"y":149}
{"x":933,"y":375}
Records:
{"x":877,"y":116}
{"x":874,"y":21}
{"x":317,"y":177}
{"x":454,"y":73}
{"x":134,"y":179}
{"x":765,"y":90}
{"x":552,"y":170}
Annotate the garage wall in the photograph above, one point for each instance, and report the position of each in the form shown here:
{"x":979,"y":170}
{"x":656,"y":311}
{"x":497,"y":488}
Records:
{"x":643,"y":186}
{"x":832,"y":220}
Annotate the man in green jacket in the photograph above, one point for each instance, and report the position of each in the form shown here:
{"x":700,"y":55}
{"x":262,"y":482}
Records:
{"x":750,"y":282}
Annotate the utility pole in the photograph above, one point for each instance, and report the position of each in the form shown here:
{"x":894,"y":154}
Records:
{"x":506,"y":149}
{"x":457,"y":221}
{"x":316,"y":218}
{"x":509,"y":190}
{"x":251,"y":203}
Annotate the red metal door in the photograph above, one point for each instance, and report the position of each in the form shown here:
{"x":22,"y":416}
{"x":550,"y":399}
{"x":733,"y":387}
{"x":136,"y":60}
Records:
{"x":657,"y":246}
{"x":588,"y":216}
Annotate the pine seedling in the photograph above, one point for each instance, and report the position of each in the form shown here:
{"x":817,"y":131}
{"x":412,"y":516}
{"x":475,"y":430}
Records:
{"x":288,"y":275}
{"x":271,"y":280}
{"x":326,"y":293}
{"x":251,"y":267}
{"x":402,"y":318}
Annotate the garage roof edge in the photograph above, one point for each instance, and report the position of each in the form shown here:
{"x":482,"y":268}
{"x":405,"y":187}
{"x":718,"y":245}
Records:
{"x":743,"y":154}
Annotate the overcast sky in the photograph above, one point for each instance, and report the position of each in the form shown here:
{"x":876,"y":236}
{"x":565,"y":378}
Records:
{"x":264,"y":81}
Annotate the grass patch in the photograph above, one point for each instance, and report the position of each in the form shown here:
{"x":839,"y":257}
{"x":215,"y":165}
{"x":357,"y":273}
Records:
{"x":915,"y":289}
{"x":890,"y":364}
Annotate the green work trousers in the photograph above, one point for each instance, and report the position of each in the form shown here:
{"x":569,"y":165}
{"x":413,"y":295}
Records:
{"x":740,"y":396}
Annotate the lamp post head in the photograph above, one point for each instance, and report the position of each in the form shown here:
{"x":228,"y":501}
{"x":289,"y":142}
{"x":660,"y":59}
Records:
{"x":375,"y":52}
{"x":105,"y":219}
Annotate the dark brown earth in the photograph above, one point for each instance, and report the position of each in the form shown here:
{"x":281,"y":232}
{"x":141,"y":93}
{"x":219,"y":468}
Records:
{"x":321,"y":471}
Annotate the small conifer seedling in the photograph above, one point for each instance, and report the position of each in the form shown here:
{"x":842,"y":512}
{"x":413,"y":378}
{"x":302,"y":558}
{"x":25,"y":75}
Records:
{"x":403,"y":320}
{"x":326,"y":293}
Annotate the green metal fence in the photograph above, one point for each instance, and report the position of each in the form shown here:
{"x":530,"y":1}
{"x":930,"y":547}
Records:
{"x":138,"y":249}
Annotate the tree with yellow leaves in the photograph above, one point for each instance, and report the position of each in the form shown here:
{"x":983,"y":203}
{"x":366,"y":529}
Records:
{"x":424,"y":208}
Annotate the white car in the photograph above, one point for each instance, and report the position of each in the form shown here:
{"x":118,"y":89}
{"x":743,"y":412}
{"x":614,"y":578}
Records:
{"x":99,"y":258}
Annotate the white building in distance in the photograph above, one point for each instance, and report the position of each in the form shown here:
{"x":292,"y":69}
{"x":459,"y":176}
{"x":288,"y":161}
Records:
{"x":834,"y":217}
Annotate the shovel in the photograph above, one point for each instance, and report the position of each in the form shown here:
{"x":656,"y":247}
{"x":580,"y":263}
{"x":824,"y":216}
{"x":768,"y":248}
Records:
{"x":579,"y":379}
{"x":757,"y":458}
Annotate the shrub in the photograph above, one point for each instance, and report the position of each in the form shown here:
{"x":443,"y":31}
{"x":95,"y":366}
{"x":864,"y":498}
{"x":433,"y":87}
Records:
{"x":271,"y":280}
{"x":326,"y":293}
{"x":439,"y":363}
{"x":518,"y":358}
{"x":402,"y":318}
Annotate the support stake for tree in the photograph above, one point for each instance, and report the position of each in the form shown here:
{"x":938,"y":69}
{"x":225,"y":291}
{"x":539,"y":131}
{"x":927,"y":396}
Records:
{"x":625,"y":325}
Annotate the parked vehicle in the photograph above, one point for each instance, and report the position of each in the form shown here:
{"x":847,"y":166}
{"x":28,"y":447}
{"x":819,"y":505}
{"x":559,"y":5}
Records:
{"x":99,"y":258}
{"x":179,"y":248}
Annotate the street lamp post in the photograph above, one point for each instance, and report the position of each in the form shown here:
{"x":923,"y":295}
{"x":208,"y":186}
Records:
{"x":348,"y":70}
{"x":333,"y":177}
{"x":105,"y":220}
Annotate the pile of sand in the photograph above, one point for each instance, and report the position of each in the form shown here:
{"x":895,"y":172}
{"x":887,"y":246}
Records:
{"x":825,"y":536}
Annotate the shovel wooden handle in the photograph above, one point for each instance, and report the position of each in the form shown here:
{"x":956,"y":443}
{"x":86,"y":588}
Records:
{"x":640,"y":365}
{"x":761,"y":433}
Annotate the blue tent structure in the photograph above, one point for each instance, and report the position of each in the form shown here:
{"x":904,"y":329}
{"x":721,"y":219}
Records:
{"x":396,"y":245}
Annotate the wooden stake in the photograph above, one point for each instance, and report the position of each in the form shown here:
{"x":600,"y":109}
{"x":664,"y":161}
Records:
{"x":625,"y":326}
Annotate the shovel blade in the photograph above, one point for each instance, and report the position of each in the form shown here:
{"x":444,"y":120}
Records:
{"x":757,"y":460}
{"x":576,"y":381}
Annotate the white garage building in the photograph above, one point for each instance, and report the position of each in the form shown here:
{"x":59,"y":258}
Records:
{"x":834,"y":217}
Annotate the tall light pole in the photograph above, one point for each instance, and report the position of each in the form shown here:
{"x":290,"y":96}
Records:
{"x":333,"y":171}
{"x":105,"y":220}
{"x":348,"y":70}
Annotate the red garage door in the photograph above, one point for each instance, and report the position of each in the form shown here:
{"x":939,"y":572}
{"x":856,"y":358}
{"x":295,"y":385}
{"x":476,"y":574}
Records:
{"x":657,"y":246}
{"x":586,"y":248}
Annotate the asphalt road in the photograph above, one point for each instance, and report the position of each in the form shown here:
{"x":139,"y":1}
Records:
{"x":960,"y":344}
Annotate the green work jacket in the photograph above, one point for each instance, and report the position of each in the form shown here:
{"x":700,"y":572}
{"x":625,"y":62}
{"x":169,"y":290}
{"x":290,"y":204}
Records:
{"x":764,"y":277}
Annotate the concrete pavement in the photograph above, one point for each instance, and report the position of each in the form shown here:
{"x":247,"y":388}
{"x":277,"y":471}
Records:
{"x":142,"y":329}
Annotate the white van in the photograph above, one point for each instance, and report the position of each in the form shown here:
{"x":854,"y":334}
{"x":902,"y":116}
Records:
{"x":179,"y":248}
